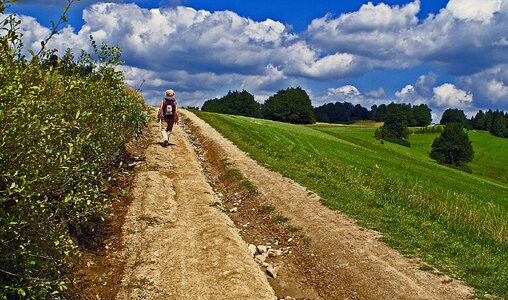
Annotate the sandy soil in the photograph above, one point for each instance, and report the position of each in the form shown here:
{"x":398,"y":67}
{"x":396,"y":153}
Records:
{"x":186,"y":232}
{"x":331,"y":256}
{"x":177,"y":244}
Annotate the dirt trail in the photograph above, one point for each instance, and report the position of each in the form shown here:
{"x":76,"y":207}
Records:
{"x":344,"y":260}
{"x":177,"y":245}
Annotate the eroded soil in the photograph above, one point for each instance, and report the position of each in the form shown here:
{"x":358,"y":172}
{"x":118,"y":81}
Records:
{"x":197,"y":204}
{"x":331,"y":256}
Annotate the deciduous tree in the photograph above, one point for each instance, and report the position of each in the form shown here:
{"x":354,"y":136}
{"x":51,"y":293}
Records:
{"x":452,"y":146}
{"x":292,"y":105}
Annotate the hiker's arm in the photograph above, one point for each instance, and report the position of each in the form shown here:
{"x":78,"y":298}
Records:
{"x":159,"y":112}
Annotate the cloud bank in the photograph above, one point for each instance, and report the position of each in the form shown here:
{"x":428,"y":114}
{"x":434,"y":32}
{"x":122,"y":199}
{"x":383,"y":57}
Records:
{"x":202,"y":54}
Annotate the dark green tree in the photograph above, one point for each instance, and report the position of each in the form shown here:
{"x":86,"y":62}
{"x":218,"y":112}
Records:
{"x":407,"y":111}
{"x":479,"y":120}
{"x":499,"y":125}
{"x":453,"y":116}
{"x":234,"y":103}
{"x":489,"y":118}
{"x":422,"y":115}
{"x":394,"y":128}
{"x":339,"y":112}
{"x":453,"y":146}
{"x":292,"y":105}
{"x":359,"y":113}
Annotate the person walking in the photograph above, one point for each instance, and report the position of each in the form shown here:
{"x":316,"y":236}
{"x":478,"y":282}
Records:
{"x":168,"y":112}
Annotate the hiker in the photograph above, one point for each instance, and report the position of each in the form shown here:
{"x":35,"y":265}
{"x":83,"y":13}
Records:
{"x":169,"y":113}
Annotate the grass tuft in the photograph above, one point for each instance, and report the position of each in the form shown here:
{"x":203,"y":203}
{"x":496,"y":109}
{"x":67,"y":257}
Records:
{"x":291,"y":228}
{"x":280,"y":219}
{"x":266,"y":209}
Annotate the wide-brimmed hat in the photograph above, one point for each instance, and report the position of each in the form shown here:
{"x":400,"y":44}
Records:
{"x":170,"y":92}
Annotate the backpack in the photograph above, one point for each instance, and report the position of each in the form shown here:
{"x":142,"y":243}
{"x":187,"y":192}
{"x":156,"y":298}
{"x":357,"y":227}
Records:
{"x":168,"y":108}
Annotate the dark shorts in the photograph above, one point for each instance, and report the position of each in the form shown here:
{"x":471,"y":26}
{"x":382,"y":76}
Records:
{"x":170,"y":121}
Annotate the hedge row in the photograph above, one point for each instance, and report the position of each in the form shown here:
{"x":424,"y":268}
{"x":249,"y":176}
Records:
{"x":61,"y":125}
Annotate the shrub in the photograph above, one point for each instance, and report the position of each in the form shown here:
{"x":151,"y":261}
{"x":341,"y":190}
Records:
{"x":394,"y":128}
{"x":452,"y":146}
{"x":61,"y":131}
{"x":292,"y":105}
{"x":234,"y":103}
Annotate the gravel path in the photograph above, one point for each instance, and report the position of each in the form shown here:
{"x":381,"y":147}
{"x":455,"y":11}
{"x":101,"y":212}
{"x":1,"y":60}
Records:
{"x":177,"y":244}
{"x":348,"y":261}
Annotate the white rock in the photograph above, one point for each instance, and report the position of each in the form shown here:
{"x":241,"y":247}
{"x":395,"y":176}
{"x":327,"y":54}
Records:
{"x":234,"y":209}
{"x":262,"y":249}
{"x":273,"y":252}
{"x":253,"y":249}
{"x":272,"y":271}
{"x":260,"y":257}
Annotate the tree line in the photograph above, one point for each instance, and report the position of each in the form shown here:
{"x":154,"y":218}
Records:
{"x":496,"y":122}
{"x":293,"y":105}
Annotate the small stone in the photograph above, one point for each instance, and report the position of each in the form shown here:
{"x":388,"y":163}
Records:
{"x":273,"y":252}
{"x":272,"y":271}
{"x":260,"y":257}
{"x":263,"y":264}
{"x":253,"y":249}
{"x":262,"y":249}
{"x":234,"y":209}
{"x":290,"y":239}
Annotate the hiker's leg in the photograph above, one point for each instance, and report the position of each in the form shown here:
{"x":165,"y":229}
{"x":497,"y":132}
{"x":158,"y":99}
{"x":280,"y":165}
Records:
{"x":170,"y":123}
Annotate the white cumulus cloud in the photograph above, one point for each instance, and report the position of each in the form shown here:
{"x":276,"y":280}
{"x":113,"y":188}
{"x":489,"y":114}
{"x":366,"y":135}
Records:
{"x":448,"y":95}
{"x":479,"y":10}
{"x":418,"y":93}
{"x":351,"y":94}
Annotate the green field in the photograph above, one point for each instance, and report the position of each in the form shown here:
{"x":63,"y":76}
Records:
{"x":456,"y":221}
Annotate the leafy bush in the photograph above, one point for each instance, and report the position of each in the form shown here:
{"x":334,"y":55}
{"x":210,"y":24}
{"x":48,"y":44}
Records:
{"x":292,"y":105}
{"x":61,"y":130}
{"x":234,"y":103}
{"x":394,"y":128}
{"x":452,"y":146}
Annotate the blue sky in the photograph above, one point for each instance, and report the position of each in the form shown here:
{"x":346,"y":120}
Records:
{"x":442,"y":53}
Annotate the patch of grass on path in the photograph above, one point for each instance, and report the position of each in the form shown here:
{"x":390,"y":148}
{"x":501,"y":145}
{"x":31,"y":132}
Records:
{"x":455,"y":221}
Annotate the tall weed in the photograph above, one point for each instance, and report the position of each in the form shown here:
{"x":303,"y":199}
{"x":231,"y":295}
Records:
{"x":63,"y":124}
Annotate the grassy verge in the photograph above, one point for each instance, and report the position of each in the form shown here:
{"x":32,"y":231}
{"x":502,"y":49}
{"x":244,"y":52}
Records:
{"x":456,"y":221}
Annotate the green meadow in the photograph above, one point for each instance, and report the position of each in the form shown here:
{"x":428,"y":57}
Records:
{"x":453,"y":220}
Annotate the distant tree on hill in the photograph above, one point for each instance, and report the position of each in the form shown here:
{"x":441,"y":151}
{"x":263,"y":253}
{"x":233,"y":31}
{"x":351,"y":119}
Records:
{"x":359,"y":113}
{"x":292,"y":105}
{"x":479,"y":120}
{"x":377,"y":113}
{"x":499,"y":125}
{"x":453,"y":116}
{"x":341,"y":112}
{"x":489,"y":117}
{"x":234,"y":103}
{"x":395,"y":126}
{"x":496,"y":122}
{"x":452,"y":146}
{"x":422,"y":115}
